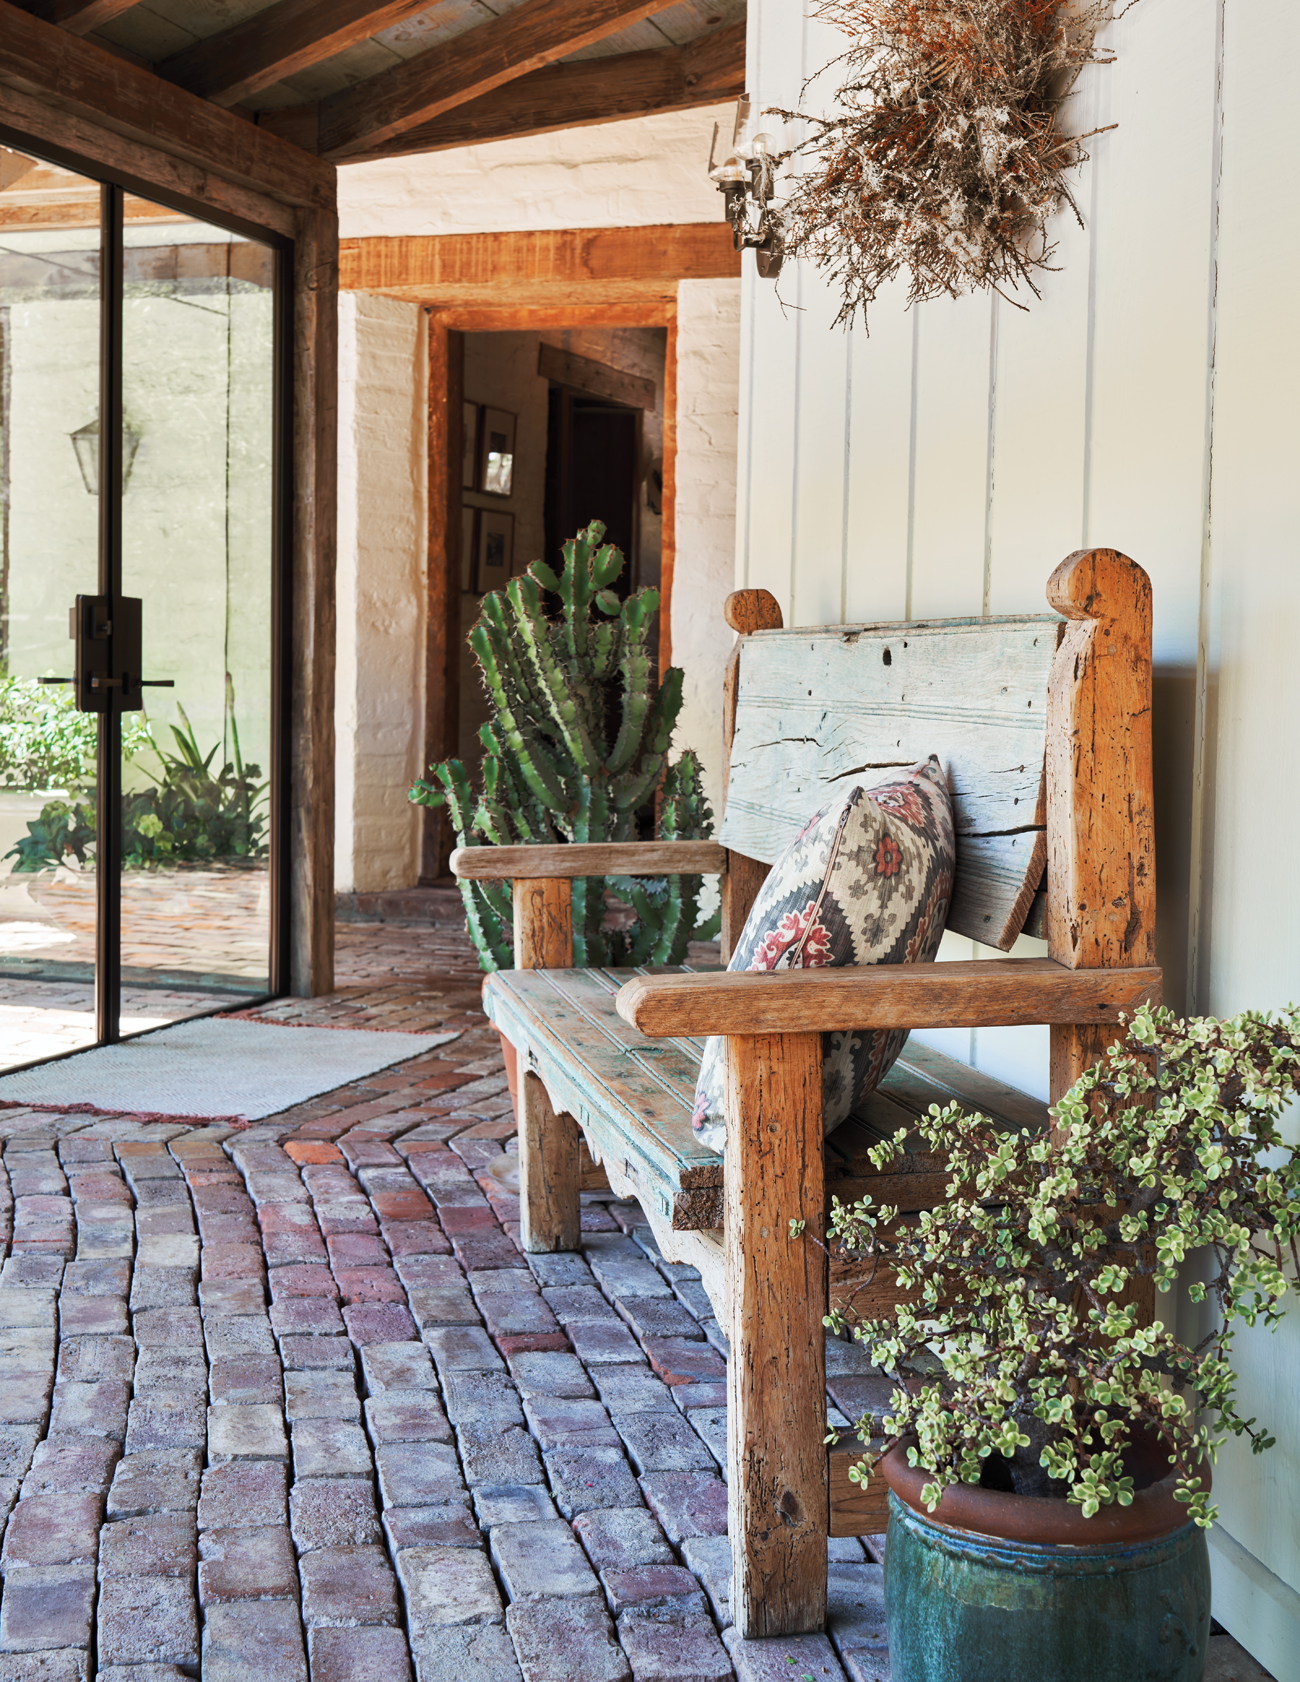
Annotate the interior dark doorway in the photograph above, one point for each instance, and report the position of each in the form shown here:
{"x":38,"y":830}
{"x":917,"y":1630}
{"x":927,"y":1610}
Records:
{"x":142,"y":717}
{"x":593,"y":453}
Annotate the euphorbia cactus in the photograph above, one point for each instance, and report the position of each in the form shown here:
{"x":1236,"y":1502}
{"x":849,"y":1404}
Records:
{"x":575,"y":751}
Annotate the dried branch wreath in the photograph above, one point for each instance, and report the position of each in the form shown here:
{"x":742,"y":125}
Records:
{"x":945,"y":158}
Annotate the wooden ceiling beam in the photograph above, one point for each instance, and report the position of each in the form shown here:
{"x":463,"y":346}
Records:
{"x":592,"y":90}
{"x":63,"y":85}
{"x":543,"y":268}
{"x":287,"y":37}
{"x":532,"y":35}
{"x":79,"y":17}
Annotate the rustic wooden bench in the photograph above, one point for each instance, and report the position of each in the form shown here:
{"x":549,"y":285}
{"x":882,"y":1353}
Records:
{"x":1043,"y":725}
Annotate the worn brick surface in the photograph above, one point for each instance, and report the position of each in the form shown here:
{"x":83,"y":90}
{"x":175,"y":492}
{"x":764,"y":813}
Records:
{"x":255,"y":1639}
{"x":243,"y":1492}
{"x":683,"y":1649}
{"x":418,"y":1474}
{"x":53,"y":1530}
{"x":396,"y":1366}
{"x":540,"y":1559}
{"x":160,"y":1545}
{"x":447,"y":1586}
{"x":329,"y":1448}
{"x":250,"y":1563}
{"x":372,"y":1654}
{"x":779,"y":1660}
{"x":406,"y":1416}
{"x":566,"y":1641}
{"x":146,"y":1620}
{"x":346,"y":1586}
{"x":166,"y":1481}
{"x":687,"y":1503}
{"x":246,"y":1432}
{"x":619,"y":1538}
{"x":46,"y":1606}
{"x":71,"y":1466}
{"x":586,"y":1478}
{"x":333,"y":1513}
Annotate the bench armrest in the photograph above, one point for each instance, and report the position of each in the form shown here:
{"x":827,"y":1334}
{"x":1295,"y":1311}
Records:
{"x":994,"y":993}
{"x":595,"y":858}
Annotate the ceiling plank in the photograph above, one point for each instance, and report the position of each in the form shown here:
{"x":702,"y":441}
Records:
{"x":79,"y":17}
{"x":592,"y":90}
{"x":287,"y":37}
{"x":541,"y":268}
{"x":523,"y":318}
{"x":74,"y":90}
{"x":533,"y":34}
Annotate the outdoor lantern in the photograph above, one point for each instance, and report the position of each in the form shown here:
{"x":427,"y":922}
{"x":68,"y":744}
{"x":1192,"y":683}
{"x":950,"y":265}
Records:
{"x":746,"y":178}
{"x":85,"y":441}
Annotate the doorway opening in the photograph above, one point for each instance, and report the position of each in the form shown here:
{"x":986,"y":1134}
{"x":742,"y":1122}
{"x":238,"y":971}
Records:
{"x":141,"y":557}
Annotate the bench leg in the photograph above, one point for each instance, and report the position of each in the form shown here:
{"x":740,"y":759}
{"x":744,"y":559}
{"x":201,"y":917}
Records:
{"x":778,"y":1502}
{"x":549,"y":1212}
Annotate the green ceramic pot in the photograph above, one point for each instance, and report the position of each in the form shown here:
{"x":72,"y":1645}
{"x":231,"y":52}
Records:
{"x":1008,"y":1588}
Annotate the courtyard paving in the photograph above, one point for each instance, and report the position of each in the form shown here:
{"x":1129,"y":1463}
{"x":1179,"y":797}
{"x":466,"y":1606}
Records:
{"x":288,"y":1401}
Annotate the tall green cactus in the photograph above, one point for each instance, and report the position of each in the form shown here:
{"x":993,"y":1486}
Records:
{"x":576,"y":748}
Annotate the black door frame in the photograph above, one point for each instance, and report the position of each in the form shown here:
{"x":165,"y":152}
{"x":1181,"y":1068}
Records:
{"x":114,"y":185}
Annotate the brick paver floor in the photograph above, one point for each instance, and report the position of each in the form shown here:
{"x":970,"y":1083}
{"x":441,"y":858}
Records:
{"x":289,"y":1402}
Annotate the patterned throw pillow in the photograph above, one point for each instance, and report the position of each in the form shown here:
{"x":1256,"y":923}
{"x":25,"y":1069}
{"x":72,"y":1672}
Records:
{"x":866,"y":881}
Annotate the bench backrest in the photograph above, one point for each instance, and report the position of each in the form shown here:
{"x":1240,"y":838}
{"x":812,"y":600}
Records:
{"x":1044,"y":726}
{"x":820,"y":710}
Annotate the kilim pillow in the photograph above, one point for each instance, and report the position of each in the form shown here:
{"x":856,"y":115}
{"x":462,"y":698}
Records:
{"x":866,"y":881}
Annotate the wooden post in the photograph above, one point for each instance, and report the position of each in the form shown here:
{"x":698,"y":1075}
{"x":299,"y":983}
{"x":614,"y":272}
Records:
{"x":549,"y":1143}
{"x":311,"y":669}
{"x":442,"y":642}
{"x":668,"y":530}
{"x":777,"y":1494}
{"x":1101,"y":868}
{"x":744,"y":611}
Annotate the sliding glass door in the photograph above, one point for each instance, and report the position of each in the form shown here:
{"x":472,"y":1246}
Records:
{"x":139,"y":744}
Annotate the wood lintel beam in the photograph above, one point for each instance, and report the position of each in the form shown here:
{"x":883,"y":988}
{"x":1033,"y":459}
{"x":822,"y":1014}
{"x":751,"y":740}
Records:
{"x":287,"y":37}
{"x":544,"y":266}
{"x":577,"y":95}
{"x":536,"y":33}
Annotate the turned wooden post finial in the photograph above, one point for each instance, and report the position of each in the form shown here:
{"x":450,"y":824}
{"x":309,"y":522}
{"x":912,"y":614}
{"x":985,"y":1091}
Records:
{"x":1101,"y":867}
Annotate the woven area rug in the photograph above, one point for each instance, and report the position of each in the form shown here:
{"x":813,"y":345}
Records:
{"x":214,"y":1068}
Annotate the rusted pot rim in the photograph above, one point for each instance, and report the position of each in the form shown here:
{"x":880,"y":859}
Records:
{"x":1034,"y":1518}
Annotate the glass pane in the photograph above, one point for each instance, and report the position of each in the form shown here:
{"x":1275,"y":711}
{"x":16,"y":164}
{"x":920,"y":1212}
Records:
{"x":197,"y":549}
{"x":49,"y":545}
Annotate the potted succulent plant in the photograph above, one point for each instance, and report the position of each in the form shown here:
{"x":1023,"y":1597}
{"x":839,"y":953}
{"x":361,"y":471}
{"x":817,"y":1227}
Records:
{"x":1049,"y":1444}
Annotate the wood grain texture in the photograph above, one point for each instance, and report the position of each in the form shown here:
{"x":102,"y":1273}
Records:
{"x":1101,"y":870}
{"x":820,"y":710}
{"x":88,"y":88}
{"x":549,"y":1172}
{"x":543,"y":923}
{"x":281,"y":40}
{"x":1001,"y":992}
{"x":313,"y":564}
{"x":584,"y":92}
{"x":79,"y":17}
{"x":511,"y":267}
{"x":582,"y":311}
{"x":596,"y":379}
{"x":446,"y":355}
{"x":855,"y":1510}
{"x":776,"y":1374}
{"x":590,"y":858}
{"x":523,"y":39}
{"x":745,"y":611}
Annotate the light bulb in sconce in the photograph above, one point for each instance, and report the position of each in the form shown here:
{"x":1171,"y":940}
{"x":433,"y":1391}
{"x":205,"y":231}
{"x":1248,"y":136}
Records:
{"x":762,"y":146}
{"x":730,"y":170}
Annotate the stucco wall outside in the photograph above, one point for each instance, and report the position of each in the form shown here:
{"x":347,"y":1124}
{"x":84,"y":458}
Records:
{"x":708,"y":372}
{"x":612,"y":175}
{"x":379,"y":705}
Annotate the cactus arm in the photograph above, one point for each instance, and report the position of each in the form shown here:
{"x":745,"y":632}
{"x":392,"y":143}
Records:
{"x":564,"y":697}
{"x":536,"y":767}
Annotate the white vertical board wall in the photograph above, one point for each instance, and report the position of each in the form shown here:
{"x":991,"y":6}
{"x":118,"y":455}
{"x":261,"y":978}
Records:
{"x":945,"y":463}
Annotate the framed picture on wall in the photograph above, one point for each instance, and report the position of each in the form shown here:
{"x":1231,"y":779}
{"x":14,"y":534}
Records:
{"x":497,"y":452}
{"x":468,"y":537}
{"x":469,"y":446}
{"x":496,"y":548}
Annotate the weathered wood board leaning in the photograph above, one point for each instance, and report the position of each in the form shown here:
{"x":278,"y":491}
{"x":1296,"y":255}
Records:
{"x":1043,"y":725}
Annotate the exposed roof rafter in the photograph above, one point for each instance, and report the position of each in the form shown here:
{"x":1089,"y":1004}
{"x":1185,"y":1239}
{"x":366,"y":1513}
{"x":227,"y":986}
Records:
{"x":592,"y":90}
{"x":532,"y":35}
{"x":287,"y":37}
{"x":79,"y":17}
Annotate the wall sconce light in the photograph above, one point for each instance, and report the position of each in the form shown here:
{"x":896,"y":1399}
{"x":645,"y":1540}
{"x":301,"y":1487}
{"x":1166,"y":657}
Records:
{"x":746,"y":178}
{"x":85,"y":441}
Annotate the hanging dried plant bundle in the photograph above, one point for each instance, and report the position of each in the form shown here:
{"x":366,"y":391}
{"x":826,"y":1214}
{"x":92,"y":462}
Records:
{"x":946,"y":158}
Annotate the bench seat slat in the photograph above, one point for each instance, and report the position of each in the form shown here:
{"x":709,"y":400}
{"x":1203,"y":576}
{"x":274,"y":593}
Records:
{"x":633,"y":1097}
